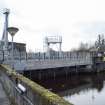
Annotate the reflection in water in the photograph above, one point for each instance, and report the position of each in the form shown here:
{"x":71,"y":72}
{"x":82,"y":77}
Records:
{"x":79,"y":89}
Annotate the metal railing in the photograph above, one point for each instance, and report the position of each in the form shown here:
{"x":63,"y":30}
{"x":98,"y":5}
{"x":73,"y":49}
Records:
{"x":44,"y":56}
{"x":25,"y":61}
{"x":23,"y":91}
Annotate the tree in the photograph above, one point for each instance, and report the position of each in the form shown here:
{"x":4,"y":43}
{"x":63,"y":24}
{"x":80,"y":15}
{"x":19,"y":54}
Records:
{"x":83,"y":46}
{"x":100,"y":42}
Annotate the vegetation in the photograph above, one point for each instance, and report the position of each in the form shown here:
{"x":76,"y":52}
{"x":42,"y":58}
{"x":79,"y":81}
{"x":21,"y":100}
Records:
{"x":98,"y":45}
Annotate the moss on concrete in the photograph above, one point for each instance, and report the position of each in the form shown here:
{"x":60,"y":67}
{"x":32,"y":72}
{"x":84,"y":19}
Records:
{"x":45,"y":94}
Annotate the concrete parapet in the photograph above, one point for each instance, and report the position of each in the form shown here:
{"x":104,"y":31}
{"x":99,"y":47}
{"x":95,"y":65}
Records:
{"x":33,"y":93}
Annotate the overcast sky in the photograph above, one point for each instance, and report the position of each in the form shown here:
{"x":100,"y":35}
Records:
{"x":74,"y":20}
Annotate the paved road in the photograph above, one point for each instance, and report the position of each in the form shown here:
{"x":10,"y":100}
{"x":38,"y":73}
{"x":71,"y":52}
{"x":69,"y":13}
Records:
{"x":3,"y":98}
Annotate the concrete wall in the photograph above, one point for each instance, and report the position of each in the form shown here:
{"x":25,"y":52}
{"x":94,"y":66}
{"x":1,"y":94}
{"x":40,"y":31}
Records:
{"x":34,"y":95}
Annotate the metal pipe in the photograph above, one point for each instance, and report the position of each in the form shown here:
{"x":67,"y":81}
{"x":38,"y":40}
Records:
{"x":12,"y":53}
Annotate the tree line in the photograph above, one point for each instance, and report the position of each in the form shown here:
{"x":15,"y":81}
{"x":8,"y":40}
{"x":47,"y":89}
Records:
{"x":98,"y":45}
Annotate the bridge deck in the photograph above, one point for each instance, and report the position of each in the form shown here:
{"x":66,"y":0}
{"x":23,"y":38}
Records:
{"x":3,"y":97}
{"x":45,"y":64}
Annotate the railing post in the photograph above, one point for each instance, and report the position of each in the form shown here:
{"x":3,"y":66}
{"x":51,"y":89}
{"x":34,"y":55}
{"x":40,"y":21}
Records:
{"x":39,"y":56}
{"x":20,"y":54}
{"x":26,"y":56}
{"x":44,"y":56}
{"x":3,"y":56}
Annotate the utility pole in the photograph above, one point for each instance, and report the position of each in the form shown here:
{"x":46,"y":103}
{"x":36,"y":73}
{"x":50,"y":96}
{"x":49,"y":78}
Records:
{"x":5,"y":33}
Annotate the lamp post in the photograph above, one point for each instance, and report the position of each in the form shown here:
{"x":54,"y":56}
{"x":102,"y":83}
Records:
{"x":12,"y":31}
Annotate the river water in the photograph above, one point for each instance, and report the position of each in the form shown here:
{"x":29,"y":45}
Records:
{"x":79,"y":89}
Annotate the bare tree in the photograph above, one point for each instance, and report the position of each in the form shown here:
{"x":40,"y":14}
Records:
{"x":100,"y":43}
{"x":83,"y":46}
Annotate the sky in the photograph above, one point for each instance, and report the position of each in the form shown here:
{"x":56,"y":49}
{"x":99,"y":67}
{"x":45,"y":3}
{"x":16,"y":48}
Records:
{"x":75,"y":20}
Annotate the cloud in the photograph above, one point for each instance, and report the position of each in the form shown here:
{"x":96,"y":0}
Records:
{"x":92,"y":27}
{"x":78,"y":20}
{"x":89,"y":30}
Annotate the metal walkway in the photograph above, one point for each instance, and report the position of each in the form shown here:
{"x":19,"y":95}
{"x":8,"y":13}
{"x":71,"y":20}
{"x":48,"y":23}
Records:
{"x":3,"y":98}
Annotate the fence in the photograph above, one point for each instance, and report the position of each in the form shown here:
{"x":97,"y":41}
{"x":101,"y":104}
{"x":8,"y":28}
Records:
{"x":23,"y":91}
{"x":44,"y":56}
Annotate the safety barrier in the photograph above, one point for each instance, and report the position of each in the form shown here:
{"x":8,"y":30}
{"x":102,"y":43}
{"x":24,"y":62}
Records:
{"x":23,"y":91}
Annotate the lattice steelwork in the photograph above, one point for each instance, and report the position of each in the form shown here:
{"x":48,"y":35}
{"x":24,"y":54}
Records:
{"x":53,"y":40}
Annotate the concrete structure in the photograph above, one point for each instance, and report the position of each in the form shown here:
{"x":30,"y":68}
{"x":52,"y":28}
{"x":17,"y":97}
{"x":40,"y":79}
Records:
{"x":5,"y":45}
{"x":34,"y":94}
{"x":3,"y":97}
{"x":18,"y":47}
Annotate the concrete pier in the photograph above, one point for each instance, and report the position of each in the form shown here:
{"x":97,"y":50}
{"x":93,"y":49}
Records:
{"x":3,"y":97}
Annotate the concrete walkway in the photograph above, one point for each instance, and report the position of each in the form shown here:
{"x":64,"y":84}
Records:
{"x":3,"y":98}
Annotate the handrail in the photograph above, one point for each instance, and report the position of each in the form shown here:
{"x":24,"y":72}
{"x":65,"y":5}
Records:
{"x":34,"y":92}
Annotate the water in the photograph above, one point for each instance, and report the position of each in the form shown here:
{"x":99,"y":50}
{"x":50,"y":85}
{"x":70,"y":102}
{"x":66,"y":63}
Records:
{"x":91,"y":93}
{"x":79,"y":89}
